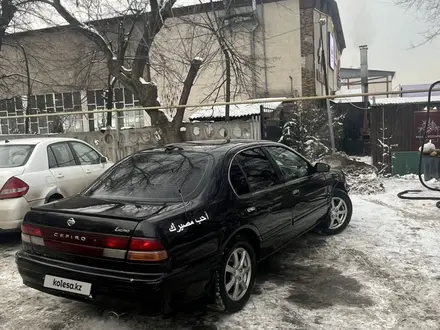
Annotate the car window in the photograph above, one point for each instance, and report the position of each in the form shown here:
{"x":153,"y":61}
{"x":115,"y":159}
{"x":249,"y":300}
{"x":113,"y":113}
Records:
{"x":63,"y":155}
{"x":291,"y":165}
{"x":238,"y":180}
{"x":257,"y":168}
{"x":14,"y":155}
{"x":154,"y":176}
{"x":51,"y":158}
{"x":86,"y":155}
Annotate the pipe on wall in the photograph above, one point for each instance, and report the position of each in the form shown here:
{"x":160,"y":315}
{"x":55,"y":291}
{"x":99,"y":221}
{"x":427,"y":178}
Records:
{"x":254,"y":60}
{"x":263,"y":28}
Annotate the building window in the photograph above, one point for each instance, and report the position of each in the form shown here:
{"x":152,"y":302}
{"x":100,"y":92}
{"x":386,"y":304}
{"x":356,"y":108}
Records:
{"x":12,"y":107}
{"x":122,"y":98}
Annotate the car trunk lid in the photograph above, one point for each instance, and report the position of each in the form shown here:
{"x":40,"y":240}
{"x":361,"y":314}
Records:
{"x":7,"y":173}
{"x":87,"y":230}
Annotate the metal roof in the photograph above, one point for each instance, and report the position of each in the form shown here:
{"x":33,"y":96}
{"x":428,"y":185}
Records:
{"x":404,"y":100}
{"x":238,"y":110}
{"x":350,"y":73}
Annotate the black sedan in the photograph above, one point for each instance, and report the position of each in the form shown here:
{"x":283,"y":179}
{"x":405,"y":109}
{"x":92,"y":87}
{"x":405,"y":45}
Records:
{"x":168,"y":225}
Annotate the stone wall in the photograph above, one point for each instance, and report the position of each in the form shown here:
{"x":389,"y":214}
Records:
{"x":117,"y":145}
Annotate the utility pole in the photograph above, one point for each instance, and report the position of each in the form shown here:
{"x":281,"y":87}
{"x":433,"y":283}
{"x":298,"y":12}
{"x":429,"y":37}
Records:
{"x":323,"y":22}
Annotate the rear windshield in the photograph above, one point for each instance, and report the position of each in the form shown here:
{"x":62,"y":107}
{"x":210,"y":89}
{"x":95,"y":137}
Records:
{"x":14,"y":155}
{"x":154,"y":176}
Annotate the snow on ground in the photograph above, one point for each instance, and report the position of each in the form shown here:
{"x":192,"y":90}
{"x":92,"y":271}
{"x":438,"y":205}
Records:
{"x":383,"y":272}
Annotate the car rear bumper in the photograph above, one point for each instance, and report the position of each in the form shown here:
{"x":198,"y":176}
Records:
{"x":12,"y":212}
{"x":146,"y":293}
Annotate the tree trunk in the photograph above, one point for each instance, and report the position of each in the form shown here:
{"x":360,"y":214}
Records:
{"x":29,"y":89}
{"x":109,"y":105}
{"x":187,"y":86}
{"x":8,"y":11}
{"x":228,"y":82}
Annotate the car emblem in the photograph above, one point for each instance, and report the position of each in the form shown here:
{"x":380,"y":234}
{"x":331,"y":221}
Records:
{"x":70,"y":222}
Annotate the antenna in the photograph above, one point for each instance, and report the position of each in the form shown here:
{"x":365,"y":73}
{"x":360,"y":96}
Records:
{"x":181,"y":196}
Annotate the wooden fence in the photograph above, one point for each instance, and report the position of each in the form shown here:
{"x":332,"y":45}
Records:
{"x":396,"y":127}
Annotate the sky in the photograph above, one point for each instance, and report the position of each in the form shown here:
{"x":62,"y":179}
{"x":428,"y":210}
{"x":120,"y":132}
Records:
{"x":391,"y":33}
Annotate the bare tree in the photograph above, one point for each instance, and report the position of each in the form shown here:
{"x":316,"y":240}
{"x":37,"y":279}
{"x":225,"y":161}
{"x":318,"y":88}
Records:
{"x":138,"y":77}
{"x":429,"y":11}
{"x":127,"y":49}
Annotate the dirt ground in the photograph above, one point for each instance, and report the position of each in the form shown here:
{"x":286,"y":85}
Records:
{"x":383,"y":272}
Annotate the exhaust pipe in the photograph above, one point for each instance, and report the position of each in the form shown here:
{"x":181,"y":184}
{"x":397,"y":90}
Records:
{"x":113,"y":315}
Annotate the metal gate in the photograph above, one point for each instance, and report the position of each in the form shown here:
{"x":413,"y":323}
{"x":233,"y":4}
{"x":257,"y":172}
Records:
{"x":272,"y":122}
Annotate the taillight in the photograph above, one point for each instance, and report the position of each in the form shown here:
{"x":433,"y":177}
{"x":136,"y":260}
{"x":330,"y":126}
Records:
{"x":30,"y":234}
{"x":14,"y":188}
{"x":116,"y":242}
{"x":146,"y":249}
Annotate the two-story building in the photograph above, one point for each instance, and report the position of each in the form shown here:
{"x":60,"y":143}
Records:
{"x":281,"y":40}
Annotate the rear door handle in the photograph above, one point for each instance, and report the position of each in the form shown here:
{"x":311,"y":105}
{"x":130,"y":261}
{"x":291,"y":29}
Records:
{"x":59,"y":176}
{"x":251,"y":209}
{"x":295,"y":192}
{"x":88,"y":171}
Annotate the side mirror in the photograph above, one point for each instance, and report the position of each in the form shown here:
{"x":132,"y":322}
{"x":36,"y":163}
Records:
{"x":322,"y":167}
{"x":103,"y":160}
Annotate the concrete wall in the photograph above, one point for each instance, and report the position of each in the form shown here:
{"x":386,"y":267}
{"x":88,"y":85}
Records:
{"x":283,"y":43}
{"x":117,"y":145}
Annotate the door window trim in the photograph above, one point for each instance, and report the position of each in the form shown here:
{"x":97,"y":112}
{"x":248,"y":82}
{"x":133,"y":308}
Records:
{"x":252,"y":193}
{"x":70,"y":148}
{"x":77,"y":160}
{"x":309,"y":165}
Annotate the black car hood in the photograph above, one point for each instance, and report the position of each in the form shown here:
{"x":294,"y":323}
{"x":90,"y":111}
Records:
{"x":110,"y":208}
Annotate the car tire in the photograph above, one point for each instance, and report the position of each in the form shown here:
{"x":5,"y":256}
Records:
{"x":339,"y":215}
{"x":236,"y":272}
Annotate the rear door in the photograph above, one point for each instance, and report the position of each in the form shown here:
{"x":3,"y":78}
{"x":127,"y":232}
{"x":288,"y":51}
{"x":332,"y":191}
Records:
{"x":261,"y":197}
{"x":309,"y":192}
{"x":90,"y":161}
{"x":64,"y":168}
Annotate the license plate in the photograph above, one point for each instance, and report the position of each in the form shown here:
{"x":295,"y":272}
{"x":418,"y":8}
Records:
{"x":64,"y":284}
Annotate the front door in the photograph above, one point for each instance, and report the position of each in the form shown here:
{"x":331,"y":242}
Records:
{"x":68,"y":174}
{"x":309,"y":193}
{"x":262,"y":199}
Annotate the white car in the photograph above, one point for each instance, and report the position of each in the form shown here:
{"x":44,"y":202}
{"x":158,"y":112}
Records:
{"x":41,"y":170}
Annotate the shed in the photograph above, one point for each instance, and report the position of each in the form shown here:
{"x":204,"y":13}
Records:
{"x":397,"y":125}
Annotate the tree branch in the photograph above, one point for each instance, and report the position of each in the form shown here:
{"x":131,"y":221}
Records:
{"x":154,"y":21}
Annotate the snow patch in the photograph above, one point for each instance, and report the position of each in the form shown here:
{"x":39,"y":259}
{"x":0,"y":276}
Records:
{"x":183,"y":129}
{"x":200,"y":59}
{"x":144,"y":82}
{"x":362,"y":178}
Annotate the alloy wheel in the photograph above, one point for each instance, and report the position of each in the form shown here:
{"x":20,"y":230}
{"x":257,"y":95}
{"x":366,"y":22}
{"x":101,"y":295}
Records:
{"x":338,"y":213}
{"x":238,"y":274}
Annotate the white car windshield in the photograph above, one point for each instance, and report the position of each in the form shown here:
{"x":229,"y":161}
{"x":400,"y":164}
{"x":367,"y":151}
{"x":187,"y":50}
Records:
{"x":14,"y":155}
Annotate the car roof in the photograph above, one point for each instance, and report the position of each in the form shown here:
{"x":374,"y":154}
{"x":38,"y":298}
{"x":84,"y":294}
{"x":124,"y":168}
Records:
{"x":217,"y":146}
{"x":35,"y":141}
